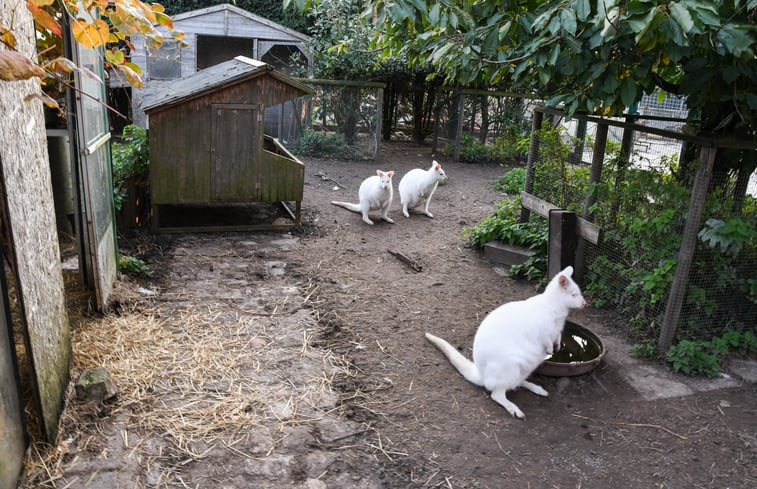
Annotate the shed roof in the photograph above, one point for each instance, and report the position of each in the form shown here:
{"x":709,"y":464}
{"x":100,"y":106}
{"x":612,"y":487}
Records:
{"x":231,"y":9}
{"x":223,"y":74}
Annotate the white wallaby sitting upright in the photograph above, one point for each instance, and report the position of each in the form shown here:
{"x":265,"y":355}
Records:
{"x":417,"y":187}
{"x":375,"y":193}
{"x":515,"y":338}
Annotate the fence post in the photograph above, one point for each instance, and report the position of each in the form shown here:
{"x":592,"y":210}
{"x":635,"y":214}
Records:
{"x":688,"y":245}
{"x":460,"y":122}
{"x":379,"y":113}
{"x":533,"y":153}
{"x":600,"y":142}
{"x":437,"y":116}
{"x":578,"y":152}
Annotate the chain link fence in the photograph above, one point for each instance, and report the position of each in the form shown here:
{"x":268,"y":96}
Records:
{"x":642,"y":181}
{"x":341,"y":119}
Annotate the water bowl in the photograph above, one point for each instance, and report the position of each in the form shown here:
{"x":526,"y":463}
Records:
{"x":581,"y":351}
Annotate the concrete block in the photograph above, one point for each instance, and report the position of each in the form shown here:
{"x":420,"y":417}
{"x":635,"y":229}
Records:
{"x":498,"y":252}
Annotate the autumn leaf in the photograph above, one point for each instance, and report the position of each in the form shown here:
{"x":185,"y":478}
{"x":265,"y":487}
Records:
{"x":114,"y":56}
{"x":16,"y":66}
{"x":45,"y":98}
{"x":43,"y":18}
{"x":164,"y":20}
{"x":61,"y":65}
{"x":7,"y":37}
{"x":131,"y":76}
{"x":134,"y":67}
{"x":90,"y":35}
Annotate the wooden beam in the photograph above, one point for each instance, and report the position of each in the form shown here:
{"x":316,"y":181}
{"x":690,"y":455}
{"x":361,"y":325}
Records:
{"x":585,"y":229}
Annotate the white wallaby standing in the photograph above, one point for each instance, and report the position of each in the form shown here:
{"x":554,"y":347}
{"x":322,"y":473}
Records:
{"x":515,"y":338}
{"x":417,"y":187}
{"x":375,"y":193}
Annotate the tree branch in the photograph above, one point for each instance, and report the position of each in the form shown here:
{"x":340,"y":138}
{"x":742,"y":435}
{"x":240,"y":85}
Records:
{"x":673,"y":88}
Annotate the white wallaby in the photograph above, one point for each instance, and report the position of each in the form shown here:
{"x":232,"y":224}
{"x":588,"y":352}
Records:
{"x":417,"y":187}
{"x":515,"y":338}
{"x":375,"y":193}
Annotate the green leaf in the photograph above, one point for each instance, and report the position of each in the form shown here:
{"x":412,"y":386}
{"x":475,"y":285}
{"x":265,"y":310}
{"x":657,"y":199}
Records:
{"x":433,"y":15}
{"x":682,"y":16}
{"x":583,"y":9}
{"x":628,"y":91}
{"x":568,"y":21}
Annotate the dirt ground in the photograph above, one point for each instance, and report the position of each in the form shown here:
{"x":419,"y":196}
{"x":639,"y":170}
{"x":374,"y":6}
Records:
{"x":279,"y":360}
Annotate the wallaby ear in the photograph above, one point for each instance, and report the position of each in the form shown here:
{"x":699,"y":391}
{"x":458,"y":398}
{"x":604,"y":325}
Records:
{"x":563,"y":281}
{"x":568,"y":271}
{"x":379,"y":172}
{"x":390,"y":173}
{"x":437,"y":166}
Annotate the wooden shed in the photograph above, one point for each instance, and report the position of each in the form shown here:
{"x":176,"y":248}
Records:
{"x":213,"y":35}
{"x":207,"y":144}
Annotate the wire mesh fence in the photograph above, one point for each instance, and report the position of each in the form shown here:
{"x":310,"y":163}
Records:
{"x":341,"y":120}
{"x":637,"y":183}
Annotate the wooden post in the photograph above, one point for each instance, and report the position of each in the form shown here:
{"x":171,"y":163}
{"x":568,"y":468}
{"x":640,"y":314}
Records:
{"x":379,"y":112}
{"x":533,"y":153}
{"x":437,"y":116}
{"x":600,"y":142}
{"x":688,"y":245}
{"x":578,"y":152}
{"x":562,"y":241}
{"x":460,"y":121}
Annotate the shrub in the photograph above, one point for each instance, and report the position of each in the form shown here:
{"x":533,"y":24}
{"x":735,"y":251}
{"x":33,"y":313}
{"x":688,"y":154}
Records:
{"x":703,"y":357}
{"x":513,"y":182}
{"x":323,"y":144}
{"x":131,"y":160}
{"x":504,"y":226}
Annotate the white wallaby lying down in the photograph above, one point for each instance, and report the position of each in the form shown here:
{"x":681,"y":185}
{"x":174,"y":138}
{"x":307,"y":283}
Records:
{"x":375,"y":193}
{"x":515,"y":338}
{"x":417,"y":187}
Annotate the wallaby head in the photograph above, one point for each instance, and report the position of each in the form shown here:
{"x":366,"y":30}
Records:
{"x":385,"y":178}
{"x":437,"y":169}
{"x":563,"y":286}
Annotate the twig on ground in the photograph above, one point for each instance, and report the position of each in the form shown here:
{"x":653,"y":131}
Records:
{"x":409,"y":261}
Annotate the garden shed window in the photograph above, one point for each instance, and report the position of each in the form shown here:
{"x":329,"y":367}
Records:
{"x":164,"y":63}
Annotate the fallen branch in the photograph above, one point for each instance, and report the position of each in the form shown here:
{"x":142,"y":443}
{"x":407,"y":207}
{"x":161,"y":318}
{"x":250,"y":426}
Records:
{"x":409,"y":261}
{"x":326,"y":177}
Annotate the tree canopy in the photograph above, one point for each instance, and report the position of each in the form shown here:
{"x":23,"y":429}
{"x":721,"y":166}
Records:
{"x":597,"y":56}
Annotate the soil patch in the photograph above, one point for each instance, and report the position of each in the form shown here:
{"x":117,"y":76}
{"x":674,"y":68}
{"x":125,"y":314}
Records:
{"x":279,"y":360}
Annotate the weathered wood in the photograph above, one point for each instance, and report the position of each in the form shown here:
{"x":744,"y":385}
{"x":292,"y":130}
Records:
{"x":585,"y":229}
{"x":595,"y":175}
{"x":207,"y":143}
{"x":562,"y":241}
{"x":533,"y":152}
{"x":28,"y":219}
{"x":691,"y":228}
{"x":342,"y":83}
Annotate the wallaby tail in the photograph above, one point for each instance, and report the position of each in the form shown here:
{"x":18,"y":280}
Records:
{"x":348,"y":206}
{"x":466,"y":368}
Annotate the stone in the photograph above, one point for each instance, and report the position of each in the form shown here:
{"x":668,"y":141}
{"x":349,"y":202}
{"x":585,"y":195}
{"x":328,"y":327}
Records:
{"x":95,"y":384}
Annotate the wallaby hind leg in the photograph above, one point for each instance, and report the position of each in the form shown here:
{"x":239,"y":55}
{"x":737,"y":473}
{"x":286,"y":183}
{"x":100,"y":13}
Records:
{"x":385,"y":214}
{"x":425,"y":208}
{"x":500,"y":396}
{"x":536,"y":389}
